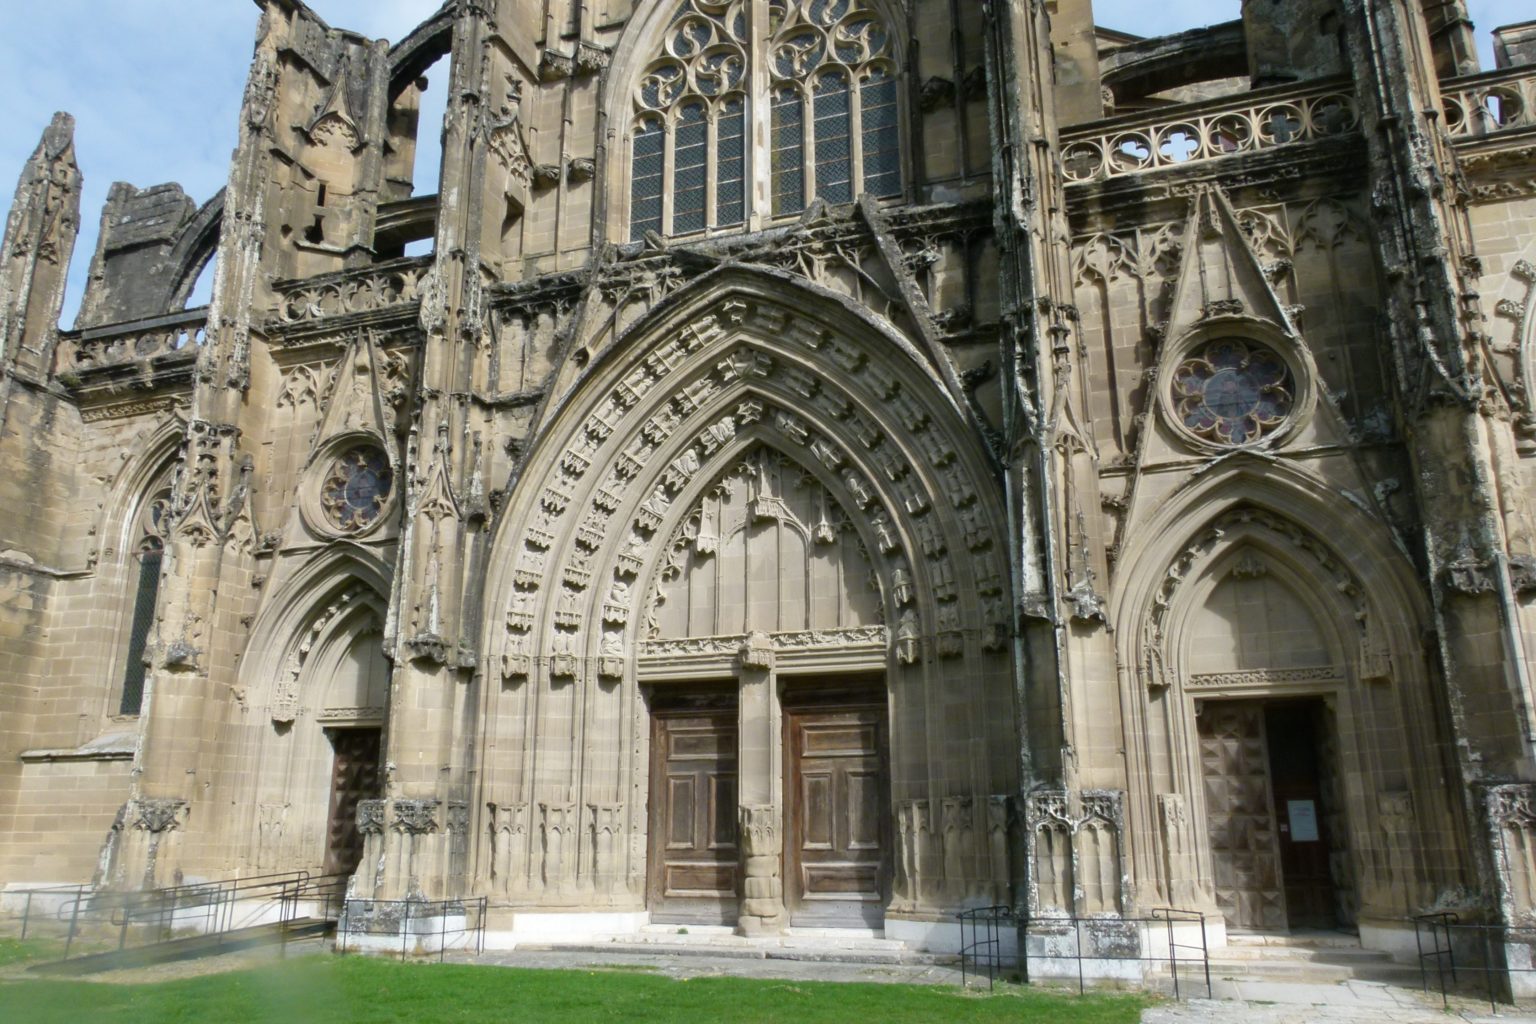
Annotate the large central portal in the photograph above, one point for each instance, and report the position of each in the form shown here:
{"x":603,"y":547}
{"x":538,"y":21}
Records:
{"x":836,"y":791}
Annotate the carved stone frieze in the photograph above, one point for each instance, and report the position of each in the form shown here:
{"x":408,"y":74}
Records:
{"x":415,"y":817}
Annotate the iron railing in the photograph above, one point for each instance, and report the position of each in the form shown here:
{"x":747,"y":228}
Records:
{"x":153,"y":916}
{"x":421,"y":926}
{"x":1462,"y":957}
{"x":982,"y":955}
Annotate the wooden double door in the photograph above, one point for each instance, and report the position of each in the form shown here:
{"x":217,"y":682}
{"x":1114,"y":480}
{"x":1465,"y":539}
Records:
{"x":836,"y":835}
{"x":1268,"y":806}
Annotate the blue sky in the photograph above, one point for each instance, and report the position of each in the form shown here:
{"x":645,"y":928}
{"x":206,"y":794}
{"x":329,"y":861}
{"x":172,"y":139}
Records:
{"x":155,"y":85}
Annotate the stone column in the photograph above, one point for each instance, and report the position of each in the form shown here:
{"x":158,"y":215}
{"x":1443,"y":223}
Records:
{"x":757,"y":772}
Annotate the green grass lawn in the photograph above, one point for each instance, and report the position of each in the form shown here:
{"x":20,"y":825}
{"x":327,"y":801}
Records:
{"x":359,"y":990}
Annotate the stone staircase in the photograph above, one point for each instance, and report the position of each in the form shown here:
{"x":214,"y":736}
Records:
{"x":819,"y":946}
{"x":1319,"y":958}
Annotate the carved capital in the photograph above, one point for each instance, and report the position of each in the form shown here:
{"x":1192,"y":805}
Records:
{"x":759,"y":830}
{"x":370,"y":817}
{"x":416,"y":817}
{"x":756,"y":652}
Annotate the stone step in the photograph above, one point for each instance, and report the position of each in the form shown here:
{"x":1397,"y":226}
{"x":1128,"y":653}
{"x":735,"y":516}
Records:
{"x":1343,"y":955}
{"x":676,"y":940}
{"x":1371,"y":966}
{"x":807,"y":952}
{"x":1305,"y":939}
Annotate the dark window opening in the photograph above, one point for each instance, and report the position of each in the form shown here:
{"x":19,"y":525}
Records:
{"x":143,"y":619}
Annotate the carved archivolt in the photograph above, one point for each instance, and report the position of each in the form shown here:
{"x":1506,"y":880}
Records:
{"x":1515,"y":360}
{"x":750,"y":383}
{"x":1371,"y":646}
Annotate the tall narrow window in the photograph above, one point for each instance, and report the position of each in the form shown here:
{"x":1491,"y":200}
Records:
{"x":731,"y":170}
{"x":788,"y":152}
{"x":834,"y":145}
{"x":829,"y":103}
{"x":882,"y":144}
{"x":690,"y":179}
{"x":645,"y":186}
{"x":146,"y":589}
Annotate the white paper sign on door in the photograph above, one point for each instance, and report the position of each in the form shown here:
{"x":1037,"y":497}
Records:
{"x":1303,"y":815}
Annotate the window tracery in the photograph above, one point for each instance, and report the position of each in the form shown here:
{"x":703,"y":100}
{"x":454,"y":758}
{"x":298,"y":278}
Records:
{"x":1233,"y":391}
{"x":356,"y":487}
{"x":819,"y":76}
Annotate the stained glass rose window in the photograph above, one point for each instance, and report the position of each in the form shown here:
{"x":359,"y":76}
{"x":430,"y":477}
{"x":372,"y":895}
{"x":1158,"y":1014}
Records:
{"x":1233,"y":391}
{"x":356,"y":487}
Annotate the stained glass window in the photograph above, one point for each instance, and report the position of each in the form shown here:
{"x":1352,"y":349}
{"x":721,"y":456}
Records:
{"x":646,"y":184}
{"x":1233,"y":391}
{"x":829,"y":111}
{"x":834,"y":144}
{"x":357,"y":487}
{"x":788,"y":152}
{"x":731,"y":171}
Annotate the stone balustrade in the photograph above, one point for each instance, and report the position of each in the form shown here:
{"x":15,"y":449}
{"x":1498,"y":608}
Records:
{"x":117,"y":344}
{"x":1483,"y":104}
{"x":1174,"y":136}
{"x":355,"y":291}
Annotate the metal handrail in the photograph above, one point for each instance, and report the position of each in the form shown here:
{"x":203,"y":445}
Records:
{"x":981,"y":943}
{"x":1490,"y":940}
{"x":164,"y":908}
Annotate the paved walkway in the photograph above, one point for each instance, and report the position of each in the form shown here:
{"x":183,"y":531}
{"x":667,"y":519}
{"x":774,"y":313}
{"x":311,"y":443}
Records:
{"x":1350,"y":1002}
{"x":1237,"y":1002}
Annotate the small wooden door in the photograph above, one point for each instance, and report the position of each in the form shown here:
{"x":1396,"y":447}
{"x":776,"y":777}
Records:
{"x":694,"y":865}
{"x":355,"y":776}
{"x":1292,"y":729}
{"x":837,"y":843}
{"x":1245,"y":858}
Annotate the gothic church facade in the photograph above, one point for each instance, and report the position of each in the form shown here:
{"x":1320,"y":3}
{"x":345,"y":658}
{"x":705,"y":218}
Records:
{"x":836,"y":463}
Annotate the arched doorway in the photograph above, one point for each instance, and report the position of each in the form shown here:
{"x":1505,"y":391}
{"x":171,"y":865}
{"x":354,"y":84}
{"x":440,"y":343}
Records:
{"x":758,"y":511}
{"x":322,"y":703}
{"x":1282,"y":722}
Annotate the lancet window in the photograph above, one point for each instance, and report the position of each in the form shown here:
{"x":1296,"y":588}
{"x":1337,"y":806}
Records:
{"x":149,"y":552}
{"x":816,"y":78}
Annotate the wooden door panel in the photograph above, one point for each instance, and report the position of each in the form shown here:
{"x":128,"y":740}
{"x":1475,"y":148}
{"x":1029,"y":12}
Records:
{"x":837,"y":844}
{"x":681,"y":811}
{"x":720,"y":823}
{"x":355,"y":776}
{"x":694,"y":861}
{"x":1244,"y":856}
{"x":863,"y":811}
{"x":816,"y":827}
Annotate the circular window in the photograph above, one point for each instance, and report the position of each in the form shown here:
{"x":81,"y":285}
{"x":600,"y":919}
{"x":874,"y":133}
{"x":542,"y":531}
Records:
{"x":356,"y":487}
{"x":1233,"y":391}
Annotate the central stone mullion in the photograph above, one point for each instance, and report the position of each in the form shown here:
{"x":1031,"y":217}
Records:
{"x":759,"y":771}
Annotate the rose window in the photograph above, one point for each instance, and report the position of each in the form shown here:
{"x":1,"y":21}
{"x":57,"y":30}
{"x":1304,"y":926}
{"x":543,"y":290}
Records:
{"x":356,"y":488}
{"x":1232,"y":391}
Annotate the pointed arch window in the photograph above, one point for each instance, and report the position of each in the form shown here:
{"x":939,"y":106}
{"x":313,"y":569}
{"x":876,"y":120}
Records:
{"x":815,"y":79}
{"x":149,"y":554}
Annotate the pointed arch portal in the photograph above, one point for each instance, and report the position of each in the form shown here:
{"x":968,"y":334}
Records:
{"x":1277,"y":709}
{"x":763,"y":511}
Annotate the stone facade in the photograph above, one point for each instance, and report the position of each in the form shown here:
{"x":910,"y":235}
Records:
{"x":1044,"y":468}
